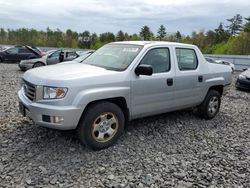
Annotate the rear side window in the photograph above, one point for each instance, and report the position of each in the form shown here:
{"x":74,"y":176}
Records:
{"x":187,"y":59}
{"x":23,"y":51}
{"x":158,"y":58}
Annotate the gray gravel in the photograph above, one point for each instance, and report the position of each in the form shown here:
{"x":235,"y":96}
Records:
{"x":171,"y":150}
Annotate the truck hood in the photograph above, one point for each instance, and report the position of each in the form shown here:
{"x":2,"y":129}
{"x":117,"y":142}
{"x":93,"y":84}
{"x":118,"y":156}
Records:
{"x":65,"y":73}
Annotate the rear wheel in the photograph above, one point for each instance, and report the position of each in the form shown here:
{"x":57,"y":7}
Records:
{"x":101,"y":125}
{"x":1,"y":60}
{"x":38,"y":64}
{"x":211,"y":105}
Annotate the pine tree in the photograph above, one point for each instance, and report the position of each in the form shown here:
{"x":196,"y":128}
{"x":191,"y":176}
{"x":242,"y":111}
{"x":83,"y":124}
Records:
{"x":120,"y":36}
{"x":145,"y":33}
{"x":178,"y":36}
{"x":221,"y":34}
{"x":247,"y":25}
{"x":161,"y":32}
{"x":235,"y":24}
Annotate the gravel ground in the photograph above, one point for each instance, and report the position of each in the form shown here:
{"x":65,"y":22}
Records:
{"x":171,"y":150}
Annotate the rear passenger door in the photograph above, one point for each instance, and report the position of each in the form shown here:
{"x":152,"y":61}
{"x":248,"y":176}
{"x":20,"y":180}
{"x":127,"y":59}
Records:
{"x":24,"y":53}
{"x":153,"y":94}
{"x":188,"y":81}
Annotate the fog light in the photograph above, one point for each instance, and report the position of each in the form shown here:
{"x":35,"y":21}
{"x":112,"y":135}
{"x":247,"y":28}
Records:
{"x":57,"y":119}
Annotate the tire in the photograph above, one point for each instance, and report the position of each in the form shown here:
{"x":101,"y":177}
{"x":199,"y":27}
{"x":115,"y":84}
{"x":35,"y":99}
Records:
{"x":1,"y":60}
{"x":210,"y":106}
{"x":38,"y":64}
{"x":23,"y":69}
{"x":101,"y":125}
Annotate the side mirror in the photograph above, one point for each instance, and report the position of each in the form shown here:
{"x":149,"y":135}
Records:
{"x":144,"y":70}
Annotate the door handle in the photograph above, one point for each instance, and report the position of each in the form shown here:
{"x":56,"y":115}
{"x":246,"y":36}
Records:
{"x":200,"y":78}
{"x":170,"y":81}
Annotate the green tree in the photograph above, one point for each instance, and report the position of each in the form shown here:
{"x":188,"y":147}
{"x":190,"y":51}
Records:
{"x":3,"y":36}
{"x":85,"y":39}
{"x":135,"y":37}
{"x":107,"y":37}
{"x":161,"y":32}
{"x":126,"y":36}
{"x":221,"y":34}
{"x":145,"y":33}
{"x":235,"y":24}
{"x":247,"y":25}
{"x":178,"y":36}
{"x":120,"y":36}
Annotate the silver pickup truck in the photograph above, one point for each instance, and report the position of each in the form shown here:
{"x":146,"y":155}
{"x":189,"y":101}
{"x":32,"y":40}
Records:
{"x":119,"y":82}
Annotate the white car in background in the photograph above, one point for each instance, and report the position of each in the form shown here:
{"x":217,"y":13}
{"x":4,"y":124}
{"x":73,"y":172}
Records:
{"x":31,"y":63}
{"x":52,"y":57}
{"x":220,"y":61}
{"x":226,"y":63}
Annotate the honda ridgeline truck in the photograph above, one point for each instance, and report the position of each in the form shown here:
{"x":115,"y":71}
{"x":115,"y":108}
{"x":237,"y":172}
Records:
{"x":119,"y":82}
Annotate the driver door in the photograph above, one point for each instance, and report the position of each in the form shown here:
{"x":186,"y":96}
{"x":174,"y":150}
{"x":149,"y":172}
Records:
{"x":11,"y":54}
{"x":154,"y":94}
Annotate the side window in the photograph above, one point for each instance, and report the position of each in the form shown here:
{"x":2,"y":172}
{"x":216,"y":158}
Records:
{"x":71,"y":55}
{"x":158,"y":58}
{"x":187,"y":59}
{"x":12,"y":51}
{"x":55,"y":54}
{"x":23,"y":51}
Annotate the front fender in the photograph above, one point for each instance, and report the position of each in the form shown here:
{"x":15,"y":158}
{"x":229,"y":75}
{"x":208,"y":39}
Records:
{"x":84,"y":97}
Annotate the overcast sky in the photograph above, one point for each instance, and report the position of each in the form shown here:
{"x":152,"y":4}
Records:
{"x":112,"y":15}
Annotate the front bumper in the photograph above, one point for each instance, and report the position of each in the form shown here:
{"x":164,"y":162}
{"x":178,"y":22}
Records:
{"x":37,"y":111}
{"x":243,"y":84}
{"x":25,"y":66}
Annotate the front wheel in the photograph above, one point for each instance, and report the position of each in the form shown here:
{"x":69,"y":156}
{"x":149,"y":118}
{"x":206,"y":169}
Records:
{"x":101,"y":125}
{"x":211,"y":105}
{"x":38,"y":64}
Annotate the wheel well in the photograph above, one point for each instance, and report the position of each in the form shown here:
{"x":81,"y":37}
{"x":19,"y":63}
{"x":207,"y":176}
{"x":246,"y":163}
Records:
{"x":38,"y":62}
{"x":218,"y":88}
{"x":119,"y":101}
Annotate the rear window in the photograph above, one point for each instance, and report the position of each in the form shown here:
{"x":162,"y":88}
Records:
{"x":186,"y":58}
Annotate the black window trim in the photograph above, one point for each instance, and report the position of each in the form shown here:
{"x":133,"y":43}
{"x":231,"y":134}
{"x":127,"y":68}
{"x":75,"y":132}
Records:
{"x":186,"y":48}
{"x":168,"y":57}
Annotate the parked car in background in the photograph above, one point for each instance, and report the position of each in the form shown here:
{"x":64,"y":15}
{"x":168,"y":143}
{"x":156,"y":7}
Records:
{"x":226,"y":63}
{"x":18,"y":53}
{"x":243,"y":81}
{"x":82,"y":57}
{"x":119,"y":82}
{"x":52,"y":57}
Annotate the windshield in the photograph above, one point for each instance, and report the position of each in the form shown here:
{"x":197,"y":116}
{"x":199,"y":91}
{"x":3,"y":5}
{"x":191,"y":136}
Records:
{"x":114,"y":56}
{"x":50,"y":52}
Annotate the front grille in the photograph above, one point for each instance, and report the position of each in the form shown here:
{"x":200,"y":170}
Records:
{"x":29,"y":90}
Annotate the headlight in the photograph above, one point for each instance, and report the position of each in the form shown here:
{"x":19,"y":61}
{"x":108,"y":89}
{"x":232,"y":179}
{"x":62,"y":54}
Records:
{"x":54,"y":92}
{"x":242,"y":77}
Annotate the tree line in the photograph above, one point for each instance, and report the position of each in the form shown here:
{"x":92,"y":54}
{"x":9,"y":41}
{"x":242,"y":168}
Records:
{"x":231,"y":38}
